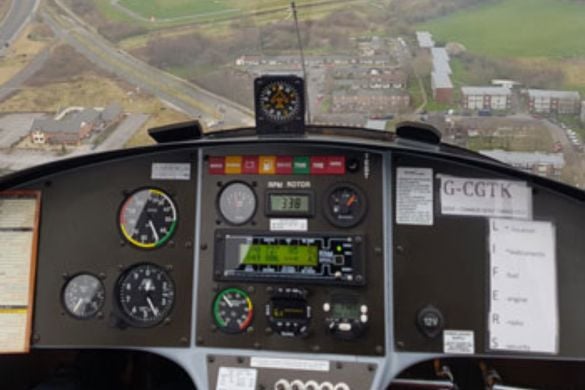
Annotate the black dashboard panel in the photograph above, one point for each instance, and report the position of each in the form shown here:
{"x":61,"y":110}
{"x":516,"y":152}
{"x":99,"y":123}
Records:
{"x":446,"y":266}
{"x":362,"y":284}
{"x":80,"y":233}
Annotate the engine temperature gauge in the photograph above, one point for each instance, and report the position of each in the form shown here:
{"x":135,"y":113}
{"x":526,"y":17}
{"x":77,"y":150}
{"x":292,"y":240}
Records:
{"x":345,"y":205}
{"x":233,"y":310}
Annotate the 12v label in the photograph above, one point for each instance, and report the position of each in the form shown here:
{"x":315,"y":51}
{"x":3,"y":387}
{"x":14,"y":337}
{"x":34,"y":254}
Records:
{"x":485,"y":198}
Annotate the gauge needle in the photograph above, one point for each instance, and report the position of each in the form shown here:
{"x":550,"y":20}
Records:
{"x":351,"y":200}
{"x":154,"y":311}
{"x":77,"y":305}
{"x":155,"y":234}
{"x":227,"y":301}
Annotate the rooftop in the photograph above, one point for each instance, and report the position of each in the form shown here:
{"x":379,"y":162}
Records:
{"x":425,"y":39}
{"x":441,"y":80}
{"x":486,"y":91}
{"x":554,"y":94}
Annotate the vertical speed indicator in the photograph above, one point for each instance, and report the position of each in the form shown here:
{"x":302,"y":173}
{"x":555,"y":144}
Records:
{"x":148,"y":218}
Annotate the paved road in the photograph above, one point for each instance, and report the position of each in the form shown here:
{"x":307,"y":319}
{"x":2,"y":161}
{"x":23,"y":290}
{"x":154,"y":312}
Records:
{"x":20,"y":13}
{"x":190,"y":98}
{"x":15,"y":126}
{"x":125,"y":130}
{"x":15,"y":83}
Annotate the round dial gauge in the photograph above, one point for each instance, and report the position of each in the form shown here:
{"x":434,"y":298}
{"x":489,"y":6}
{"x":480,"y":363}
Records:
{"x":233,"y":310}
{"x":279,"y":101}
{"x":146,"y":294}
{"x":148,"y":218}
{"x":345,"y":205}
{"x":83,"y":296}
{"x":237,"y":203}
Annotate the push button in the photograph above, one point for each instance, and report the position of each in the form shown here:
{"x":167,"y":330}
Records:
{"x":284,"y":165}
{"x":216,"y":165}
{"x":250,"y":165}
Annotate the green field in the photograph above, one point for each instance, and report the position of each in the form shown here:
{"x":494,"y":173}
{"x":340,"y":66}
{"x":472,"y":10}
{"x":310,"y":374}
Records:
{"x":169,"y":9}
{"x":516,"y":28}
{"x":174,"y":8}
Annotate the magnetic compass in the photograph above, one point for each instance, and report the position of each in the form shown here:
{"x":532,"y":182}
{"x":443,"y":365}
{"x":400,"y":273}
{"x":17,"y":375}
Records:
{"x":279,"y":104}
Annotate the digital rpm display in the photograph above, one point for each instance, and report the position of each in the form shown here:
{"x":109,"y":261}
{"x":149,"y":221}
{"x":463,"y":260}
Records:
{"x":148,"y":218}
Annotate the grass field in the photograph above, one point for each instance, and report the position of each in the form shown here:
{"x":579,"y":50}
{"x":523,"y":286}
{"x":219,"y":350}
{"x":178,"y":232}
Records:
{"x":174,"y":8}
{"x":517,"y":28}
{"x":169,"y":9}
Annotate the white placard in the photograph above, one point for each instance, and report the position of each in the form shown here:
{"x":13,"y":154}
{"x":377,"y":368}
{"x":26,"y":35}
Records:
{"x":414,"y":196}
{"x":485,"y":198}
{"x":289,"y":225}
{"x":230,"y":378}
{"x":290,"y":364}
{"x":458,"y":341}
{"x":171,"y":171}
{"x":523,"y":314}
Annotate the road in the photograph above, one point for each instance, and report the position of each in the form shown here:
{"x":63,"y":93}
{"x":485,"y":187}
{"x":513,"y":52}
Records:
{"x":573,"y":158}
{"x":123,"y":132}
{"x":16,"y":82}
{"x":189,"y":98}
{"x":20,"y":13}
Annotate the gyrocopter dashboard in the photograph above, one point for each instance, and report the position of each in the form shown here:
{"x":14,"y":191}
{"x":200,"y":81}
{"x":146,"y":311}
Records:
{"x":310,"y":258}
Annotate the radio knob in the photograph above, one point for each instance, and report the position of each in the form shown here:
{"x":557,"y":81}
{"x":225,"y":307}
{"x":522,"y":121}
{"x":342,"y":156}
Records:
{"x":326,"y":307}
{"x":338,"y":274}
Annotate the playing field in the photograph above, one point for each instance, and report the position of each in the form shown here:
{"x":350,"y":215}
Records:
{"x":517,"y":28}
{"x":169,"y":9}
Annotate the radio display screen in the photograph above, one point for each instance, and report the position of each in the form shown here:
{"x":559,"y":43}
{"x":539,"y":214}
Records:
{"x":289,"y":203}
{"x":279,"y":255}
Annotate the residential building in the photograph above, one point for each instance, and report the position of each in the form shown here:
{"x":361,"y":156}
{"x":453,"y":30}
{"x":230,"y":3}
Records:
{"x":442,"y":87}
{"x":441,"y":76}
{"x":486,"y":98}
{"x":544,"y":164}
{"x":554,"y":102}
{"x":75,"y":127}
{"x":371,"y":101}
{"x":583,"y":111}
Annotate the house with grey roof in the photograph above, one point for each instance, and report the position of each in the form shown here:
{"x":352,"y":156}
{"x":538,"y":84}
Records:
{"x":486,"y":98}
{"x":74,"y":128}
{"x":554,"y":102}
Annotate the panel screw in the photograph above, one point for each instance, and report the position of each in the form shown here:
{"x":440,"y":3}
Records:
{"x":250,"y":329}
{"x":379,"y":349}
{"x":240,"y":359}
{"x":122,"y":243}
{"x":102,"y":275}
{"x":371,"y":367}
{"x":184,"y":340}
{"x":210,"y":359}
{"x":199,"y":340}
{"x":358,"y":278}
{"x":169,"y":267}
{"x":251,"y":289}
{"x":36,"y":338}
{"x":316,"y":348}
{"x":268,"y":330}
{"x":188,"y":244}
{"x":171,"y":244}
{"x":65,"y":275}
{"x":377,"y":250}
{"x":203,"y":246}
{"x":399,"y":249}
{"x":219,"y":184}
{"x":213,"y":328}
{"x":257,"y":345}
{"x":167,"y":321}
{"x":358,"y":239}
{"x":120,"y":267}
{"x":400,"y":344}
{"x":338,"y":365}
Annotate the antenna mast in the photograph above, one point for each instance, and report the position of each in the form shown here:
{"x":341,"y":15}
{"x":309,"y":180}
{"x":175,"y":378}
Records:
{"x":307,"y":100}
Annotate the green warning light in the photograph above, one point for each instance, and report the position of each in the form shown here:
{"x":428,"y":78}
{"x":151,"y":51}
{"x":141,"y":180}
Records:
{"x":338,"y":248}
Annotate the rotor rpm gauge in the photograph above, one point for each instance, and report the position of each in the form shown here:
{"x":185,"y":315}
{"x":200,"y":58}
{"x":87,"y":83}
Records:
{"x":280,"y":101}
{"x":148,"y":218}
{"x":237,"y":203}
{"x":233,"y":310}
{"x":146,"y":295}
{"x":83,"y":296}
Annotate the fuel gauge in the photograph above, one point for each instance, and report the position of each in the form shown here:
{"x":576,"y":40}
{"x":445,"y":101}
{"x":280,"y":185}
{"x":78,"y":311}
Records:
{"x":345,"y":205}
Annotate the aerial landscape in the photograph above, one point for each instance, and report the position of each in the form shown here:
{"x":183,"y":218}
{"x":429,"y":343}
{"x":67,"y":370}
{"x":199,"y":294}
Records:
{"x":84,"y":76}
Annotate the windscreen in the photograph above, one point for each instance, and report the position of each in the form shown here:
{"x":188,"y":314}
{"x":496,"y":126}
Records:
{"x":505,"y":78}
